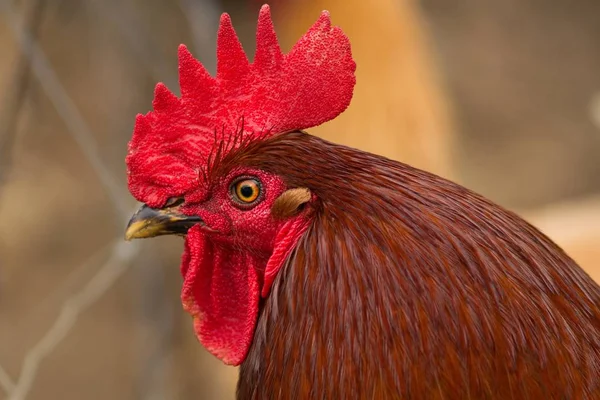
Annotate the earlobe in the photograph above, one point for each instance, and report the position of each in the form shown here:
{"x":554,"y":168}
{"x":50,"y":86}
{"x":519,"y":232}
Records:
{"x":290,"y":203}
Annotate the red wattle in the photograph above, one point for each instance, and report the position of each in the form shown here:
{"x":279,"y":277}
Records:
{"x":221,"y":292}
{"x":222,"y":286}
{"x":285,"y":242}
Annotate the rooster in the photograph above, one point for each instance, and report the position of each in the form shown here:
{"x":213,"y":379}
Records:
{"x":327,"y":272}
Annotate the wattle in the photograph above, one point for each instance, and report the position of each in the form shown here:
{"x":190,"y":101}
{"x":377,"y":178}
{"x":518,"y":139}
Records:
{"x":221,"y":291}
{"x":222,"y":286}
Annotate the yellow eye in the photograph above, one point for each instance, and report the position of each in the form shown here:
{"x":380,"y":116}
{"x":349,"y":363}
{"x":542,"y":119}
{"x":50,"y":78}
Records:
{"x":246,"y":191}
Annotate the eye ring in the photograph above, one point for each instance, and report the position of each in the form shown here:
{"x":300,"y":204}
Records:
{"x":246,"y":191}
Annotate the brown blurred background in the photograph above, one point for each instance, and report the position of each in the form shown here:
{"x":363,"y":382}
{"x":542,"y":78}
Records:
{"x":503,"y":97}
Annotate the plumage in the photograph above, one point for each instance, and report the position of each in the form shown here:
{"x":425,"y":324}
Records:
{"x":408,"y":284}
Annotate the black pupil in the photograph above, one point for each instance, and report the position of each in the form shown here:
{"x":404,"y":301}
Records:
{"x":246,"y":191}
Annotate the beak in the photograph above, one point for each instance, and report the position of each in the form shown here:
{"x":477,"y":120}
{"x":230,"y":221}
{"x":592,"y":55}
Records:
{"x":150,"y":222}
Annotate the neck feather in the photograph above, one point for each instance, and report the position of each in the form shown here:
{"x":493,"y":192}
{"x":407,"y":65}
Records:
{"x":408,"y":284}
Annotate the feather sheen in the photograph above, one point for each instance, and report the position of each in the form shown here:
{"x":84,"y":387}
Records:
{"x":409,"y":286}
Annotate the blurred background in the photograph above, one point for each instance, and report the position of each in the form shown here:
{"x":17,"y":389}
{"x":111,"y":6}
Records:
{"x":503,"y":97}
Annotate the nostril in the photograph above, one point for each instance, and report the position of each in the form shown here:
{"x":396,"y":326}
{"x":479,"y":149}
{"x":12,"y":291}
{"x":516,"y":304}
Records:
{"x":174,"y":201}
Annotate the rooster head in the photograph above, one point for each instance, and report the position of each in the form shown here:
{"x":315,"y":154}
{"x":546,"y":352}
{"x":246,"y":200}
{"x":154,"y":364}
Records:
{"x":240,"y":224}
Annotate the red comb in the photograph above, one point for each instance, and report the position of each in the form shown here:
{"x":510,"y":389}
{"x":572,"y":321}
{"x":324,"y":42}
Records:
{"x":310,"y":85}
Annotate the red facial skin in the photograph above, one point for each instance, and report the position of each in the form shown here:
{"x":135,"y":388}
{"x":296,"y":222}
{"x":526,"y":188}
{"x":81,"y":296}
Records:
{"x":232,"y":260}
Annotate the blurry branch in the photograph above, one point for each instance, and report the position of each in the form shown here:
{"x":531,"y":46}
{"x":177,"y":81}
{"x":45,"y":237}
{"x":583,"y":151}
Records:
{"x":153,"y":309}
{"x":595,"y":109}
{"x":16,"y":93}
{"x":122,"y":255}
{"x":74,"y":279}
{"x":68,"y":285}
{"x":203,"y":19}
{"x":136,"y":38}
{"x":6,"y":381}
{"x":157,"y":323}
{"x":77,"y":127}
{"x":15,"y":97}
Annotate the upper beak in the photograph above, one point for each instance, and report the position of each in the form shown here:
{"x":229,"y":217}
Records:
{"x":150,"y":222}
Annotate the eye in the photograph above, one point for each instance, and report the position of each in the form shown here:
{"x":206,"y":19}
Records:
{"x":246,"y":191}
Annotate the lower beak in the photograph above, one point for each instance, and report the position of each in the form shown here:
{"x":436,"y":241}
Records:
{"x":150,"y":222}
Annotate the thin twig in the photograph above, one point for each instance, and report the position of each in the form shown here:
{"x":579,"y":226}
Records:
{"x":6,"y":381}
{"x":114,"y":268}
{"x":122,"y":253}
{"x":149,"y":288}
{"x":17,"y":92}
{"x":73,"y":280}
{"x":121,"y":256}
{"x":153,"y":311}
{"x":66,"y":108}
{"x":595,"y":109}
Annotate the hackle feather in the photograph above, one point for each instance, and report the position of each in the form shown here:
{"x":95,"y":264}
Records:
{"x":410,"y":286}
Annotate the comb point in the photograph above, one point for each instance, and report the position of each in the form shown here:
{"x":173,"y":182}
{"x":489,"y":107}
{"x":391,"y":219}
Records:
{"x":232,"y":62}
{"x":142,"y":122}
{"x":324,"y":21}
{"x":225,"y":19}
{"x":268,"y":53}
{"x":164,"y":99}
{"x":193,"y":77}
{"x":141,"y":129}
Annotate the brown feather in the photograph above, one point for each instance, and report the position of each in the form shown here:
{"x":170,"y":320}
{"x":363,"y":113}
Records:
{"x":290,"y":202}
{"x":409,"y":286}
